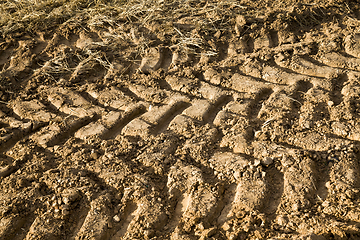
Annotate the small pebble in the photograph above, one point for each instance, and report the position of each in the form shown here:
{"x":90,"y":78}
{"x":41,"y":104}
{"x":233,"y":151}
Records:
{"x":116,"y":218}
{"x":257,"y":134}
{"x":66,"y":200}
{"x":65,"y":212}
{"x":267,"y":161}
{"x":296,"y":207}
{"x":281,"y":220}
{"x":257,"y":162}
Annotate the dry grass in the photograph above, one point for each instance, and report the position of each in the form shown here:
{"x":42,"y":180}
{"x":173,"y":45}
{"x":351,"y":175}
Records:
{"x":191,"y":43}
{"x":32,"y":15}
{"x":28,"y":15}
{"x":116,"y":19}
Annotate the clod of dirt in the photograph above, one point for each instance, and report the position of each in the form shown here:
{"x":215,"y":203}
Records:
{"x":152,"y":60}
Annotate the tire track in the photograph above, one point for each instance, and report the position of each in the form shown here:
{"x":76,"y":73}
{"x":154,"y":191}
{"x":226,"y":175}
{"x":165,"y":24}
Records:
{"x":95,"y":225}
{"x":21,"y":65}
{"x":239,"y":107}
{"x":342,"y":184}
{"x":15,"y":227}
{"x":310,"y":190}
{"x":7,"y":50}
{"x":189,"y":193}
{"x":14,"y":130}
{"x":305,"y":192}
{"x":337,"y":60}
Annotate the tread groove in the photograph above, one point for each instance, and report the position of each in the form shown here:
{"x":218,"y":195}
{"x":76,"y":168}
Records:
{"x":128,"y":116}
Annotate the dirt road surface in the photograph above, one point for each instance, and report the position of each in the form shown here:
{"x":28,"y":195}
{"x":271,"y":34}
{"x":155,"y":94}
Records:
{"x":181,"y":119}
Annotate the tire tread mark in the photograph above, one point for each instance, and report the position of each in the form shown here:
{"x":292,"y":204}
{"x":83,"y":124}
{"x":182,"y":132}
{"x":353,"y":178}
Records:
{"x":228,"y":202}
{"x":204,"y":110}
{"x":11,"y":167}
{"x":284,"y":101}
{"x":56,"y":133}
{"x":126,"y":218}
{"x":95,"y":225}
{"x":137,"y":127}
{"x":337,"y":60}
{"x":217,"y":108}
{"x":352,"y":46}
{"x":275,"y":189}
{"x":133,"y":112}
{"x":10,"y":227}
{"x":33,"y":110}
{"x":72,"y":103}
{"x":248,"y":191}
{"x":16,"y":131}
{"x":247,"y":84}
{"x":112,"y":97}
{"x":188,"y":191}
{"x":304,"y":193}
{"x":199,"y":110}
{"x":289,"y":77}
{"x":250,"y":54}
{"x":299,"y":184}
{"x":256,"y":105}
{"x":157,"y":96}
{"x":91,"y":129}
{"x":40,"y":229}
{"x":305,"y":67}
{"x":299,"y":181}
{"x":343,"y":179}
{"x":156,"y":119}
{"x":163,"y":122}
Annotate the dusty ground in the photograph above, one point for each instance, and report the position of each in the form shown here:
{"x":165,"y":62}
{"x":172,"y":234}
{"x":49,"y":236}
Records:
{"x":179,"y":119}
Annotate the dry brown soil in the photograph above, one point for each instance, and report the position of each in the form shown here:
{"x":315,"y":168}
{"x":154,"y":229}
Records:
{"x":231,"y":120}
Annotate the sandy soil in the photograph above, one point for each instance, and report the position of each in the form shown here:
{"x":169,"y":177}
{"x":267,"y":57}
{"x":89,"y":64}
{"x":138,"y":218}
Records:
{"x":216,"y":120}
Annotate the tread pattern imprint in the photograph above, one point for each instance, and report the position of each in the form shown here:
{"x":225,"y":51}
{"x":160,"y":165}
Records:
{"x":259,"y":141}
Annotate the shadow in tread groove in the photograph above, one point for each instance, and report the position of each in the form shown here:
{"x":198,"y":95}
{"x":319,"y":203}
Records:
{"x":275,"y":180}
{"x":338,"y":84}
{"x":169,"y":116}
{"x":15,"y":227}
{"x":127,"y":118}
{"x":126,"y":217}
{"x":18,"y":135}
{"x":228,"y":204}
{"x":256,"y":105}
{"x":217,"y":107}
{"x":69,"y":132}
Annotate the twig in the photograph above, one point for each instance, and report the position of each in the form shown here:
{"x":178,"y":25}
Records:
{"x":292,"y":99}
